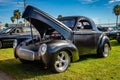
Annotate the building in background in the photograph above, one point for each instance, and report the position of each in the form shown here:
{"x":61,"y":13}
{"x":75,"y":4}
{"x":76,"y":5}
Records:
{"x":2,"y":26}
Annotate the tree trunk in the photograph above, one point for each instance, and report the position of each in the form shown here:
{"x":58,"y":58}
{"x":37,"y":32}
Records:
{"x":17,"y":22}
{"x":117,"y":20}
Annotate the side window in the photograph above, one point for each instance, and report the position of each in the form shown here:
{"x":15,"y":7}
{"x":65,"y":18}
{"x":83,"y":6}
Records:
{"x":84,"y":24}
{"x":69,"y":22}
{"x":80,"y":26}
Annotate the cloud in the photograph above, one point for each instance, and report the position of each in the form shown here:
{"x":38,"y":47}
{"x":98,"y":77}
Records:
{"x":20,"y":3}
{"x":4,"y":1}
{"x":10,"y":2}
{"x":113,"y":1}
{"x":88,"y":1}
{"x":3,"y":17}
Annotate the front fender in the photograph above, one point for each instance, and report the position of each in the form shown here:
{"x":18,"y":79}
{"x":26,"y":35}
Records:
{"x":55,"y":46}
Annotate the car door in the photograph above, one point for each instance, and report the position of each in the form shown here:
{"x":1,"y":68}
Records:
{"x":85,"y":37}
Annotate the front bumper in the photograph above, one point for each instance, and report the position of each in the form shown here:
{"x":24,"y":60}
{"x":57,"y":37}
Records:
{"x":27,"y":54}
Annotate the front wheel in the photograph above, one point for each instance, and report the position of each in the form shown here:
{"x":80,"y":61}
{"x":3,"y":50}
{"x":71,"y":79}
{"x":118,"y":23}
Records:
{"x":104,"y":52}
{"x":60,"y":61}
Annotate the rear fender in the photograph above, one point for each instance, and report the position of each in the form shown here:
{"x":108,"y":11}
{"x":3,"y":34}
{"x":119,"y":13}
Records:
{"x":103,"y":39}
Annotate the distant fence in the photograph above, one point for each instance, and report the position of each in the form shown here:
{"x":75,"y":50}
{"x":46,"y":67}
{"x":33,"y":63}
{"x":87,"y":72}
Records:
{"x":10,"y":25}
{"x":107,"y":24}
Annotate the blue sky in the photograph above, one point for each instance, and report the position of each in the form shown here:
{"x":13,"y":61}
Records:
{"x":99,"y":10}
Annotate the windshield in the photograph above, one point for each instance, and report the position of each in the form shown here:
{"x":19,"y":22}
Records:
{"x":69,"y":22}
{"x":6,"y":30}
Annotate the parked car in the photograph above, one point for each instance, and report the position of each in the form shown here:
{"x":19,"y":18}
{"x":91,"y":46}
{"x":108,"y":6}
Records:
{"x":101,"y":28}
{"x":8,"y":35}
{"x":112,"y":32}
{"x":60,"y":41}
{"x":118,"y":36}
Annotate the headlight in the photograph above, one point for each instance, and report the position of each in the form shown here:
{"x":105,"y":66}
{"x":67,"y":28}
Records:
{"x":14,"y":43}
{"x":43,"y":49}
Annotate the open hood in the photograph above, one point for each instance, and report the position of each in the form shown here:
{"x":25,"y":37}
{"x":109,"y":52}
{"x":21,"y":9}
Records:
{"x":42,"y":21}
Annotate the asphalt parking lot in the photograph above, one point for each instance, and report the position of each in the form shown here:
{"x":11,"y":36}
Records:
{"x":4,"y":76}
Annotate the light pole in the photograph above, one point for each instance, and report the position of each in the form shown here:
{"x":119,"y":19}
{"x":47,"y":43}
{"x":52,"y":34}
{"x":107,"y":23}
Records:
{"x":24,"y":4}
{"x":24,"y":9}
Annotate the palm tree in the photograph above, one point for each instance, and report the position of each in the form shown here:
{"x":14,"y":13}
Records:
{"x":59,"y":16}
{"x":116,"y":11}
{"x":12,"y":19}
{"x":17,"y":14}
{"x":6,"y":24}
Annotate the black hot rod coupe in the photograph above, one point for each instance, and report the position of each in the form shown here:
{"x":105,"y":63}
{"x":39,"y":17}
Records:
{"x":60,"y":41}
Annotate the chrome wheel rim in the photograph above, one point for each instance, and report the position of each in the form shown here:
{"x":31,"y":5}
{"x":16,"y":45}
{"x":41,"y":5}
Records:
{"x":62,"y":61}
{"x":106,"y":50}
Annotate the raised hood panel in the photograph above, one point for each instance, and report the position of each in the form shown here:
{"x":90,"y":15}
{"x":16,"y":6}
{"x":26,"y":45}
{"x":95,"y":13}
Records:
{"x":39,"y":18}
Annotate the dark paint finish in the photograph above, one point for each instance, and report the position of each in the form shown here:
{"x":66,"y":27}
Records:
{"x":83,"y":38}
{"x":39,"y":19}
{"x":57,"y":45}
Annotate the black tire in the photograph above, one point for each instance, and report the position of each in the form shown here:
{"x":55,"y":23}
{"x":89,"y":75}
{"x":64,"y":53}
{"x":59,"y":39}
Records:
{"x":118,"y":39}
{"x":60,"y":61}
{"x":1,"y":45}
{"x":104,"y":52}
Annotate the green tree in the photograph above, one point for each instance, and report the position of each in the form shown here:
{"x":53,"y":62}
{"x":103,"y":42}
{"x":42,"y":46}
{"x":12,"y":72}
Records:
{"x":6,"y":25}
{"x":12,"y":19}
{"x":116,"y":11}
{"x":17,"y":14}
{"x":59,"y":16}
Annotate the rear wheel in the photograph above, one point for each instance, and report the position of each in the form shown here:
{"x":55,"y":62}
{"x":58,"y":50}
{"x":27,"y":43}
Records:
{"x":118,"y":39}
{"x":104,"y":52}
{"x":1,"y":45}
{"x":60,"y":61}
